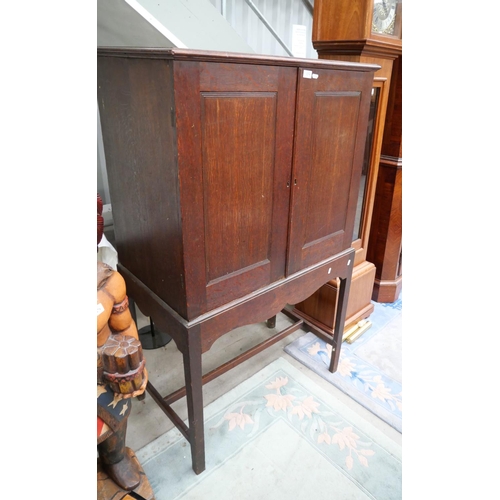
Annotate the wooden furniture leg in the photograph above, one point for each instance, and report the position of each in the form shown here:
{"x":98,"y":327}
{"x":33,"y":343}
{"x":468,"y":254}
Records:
{"x":195,"y":337}
{"x":193,"y":390}
{"x":194,"y":398}
{"x":271,"y":322}
{"x":343,"y":292}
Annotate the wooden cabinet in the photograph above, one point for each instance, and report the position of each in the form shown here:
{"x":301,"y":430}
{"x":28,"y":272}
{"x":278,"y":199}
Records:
{"x":364,"y":31}
{"x":233,"y":182}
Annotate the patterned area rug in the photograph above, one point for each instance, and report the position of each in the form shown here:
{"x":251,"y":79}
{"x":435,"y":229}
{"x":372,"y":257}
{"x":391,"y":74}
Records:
{"x":369,"y":369}
{"x":278,"y":435}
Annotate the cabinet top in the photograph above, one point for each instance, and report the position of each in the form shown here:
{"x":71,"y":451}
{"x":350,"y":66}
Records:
{"x":230,"y":57}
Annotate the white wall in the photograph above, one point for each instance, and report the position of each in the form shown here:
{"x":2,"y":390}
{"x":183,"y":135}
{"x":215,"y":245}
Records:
{"x":225,"y":25}
{"x":281,"y":16}
{"x":119,"y":24}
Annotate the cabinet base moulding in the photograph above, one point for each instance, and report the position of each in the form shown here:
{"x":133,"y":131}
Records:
{"x":387,"y":291}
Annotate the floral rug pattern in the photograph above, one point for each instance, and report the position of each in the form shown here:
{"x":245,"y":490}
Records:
{"x":280,"y":393}
{"x":362,"y":380}
{"x":310,"y":417}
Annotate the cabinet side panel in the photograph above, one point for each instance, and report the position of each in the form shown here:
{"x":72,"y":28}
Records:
{"x":135,"y":100}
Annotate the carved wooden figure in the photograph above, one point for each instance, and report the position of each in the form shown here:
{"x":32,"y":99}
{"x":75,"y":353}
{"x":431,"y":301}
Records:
{"x":121,"y":375}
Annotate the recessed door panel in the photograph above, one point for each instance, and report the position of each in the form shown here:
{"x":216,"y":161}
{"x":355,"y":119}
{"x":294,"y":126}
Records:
{"x":238,"y":165}
{"x":335,"y":116}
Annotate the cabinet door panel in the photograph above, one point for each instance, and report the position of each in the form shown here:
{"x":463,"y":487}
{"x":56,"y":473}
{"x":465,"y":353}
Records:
{"x":331,"y":117}
{"x":237,"y":181}
{"x":234,"y":171}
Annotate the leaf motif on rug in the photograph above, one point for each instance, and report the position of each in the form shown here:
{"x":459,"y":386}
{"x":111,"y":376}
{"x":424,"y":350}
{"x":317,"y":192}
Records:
{"x":250,"y":444}
{"x":239,"y":419}
{"x":322,"y":428}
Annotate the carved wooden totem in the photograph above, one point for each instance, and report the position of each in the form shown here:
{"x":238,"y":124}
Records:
{"x":121,"y":375}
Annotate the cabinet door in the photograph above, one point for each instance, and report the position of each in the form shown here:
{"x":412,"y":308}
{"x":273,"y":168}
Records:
{"x":235,"y":138}
{"x":332,"y":113}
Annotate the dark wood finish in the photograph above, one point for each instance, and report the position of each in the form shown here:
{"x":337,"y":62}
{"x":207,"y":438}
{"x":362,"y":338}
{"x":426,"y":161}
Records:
{"x":334,"y":336}
{"x":136,"y":104}
{"x":179,"y":393}
{"x":392,"y":143}
{"x":227,"y":153}
{"x":338,"y":330}
{"x":271,"y":322}
{"x":254,"y":308}
{"x":194,"y":397}
{"x":385,"y":246}
{"x":164,"y":404}
{"x":236,"y":177}
{"x":197,"y":336}
{"x":342,"y":31}
{"x":325,"y":172}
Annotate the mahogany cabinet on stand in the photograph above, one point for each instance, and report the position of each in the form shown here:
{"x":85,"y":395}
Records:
{"x":220,"y":167}
{"x":366,"y":31}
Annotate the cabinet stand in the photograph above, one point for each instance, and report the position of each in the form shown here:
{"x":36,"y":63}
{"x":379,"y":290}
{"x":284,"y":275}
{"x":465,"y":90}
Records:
{"x":195,"y":337}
